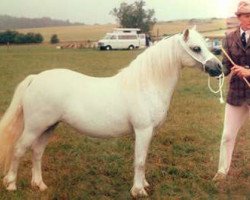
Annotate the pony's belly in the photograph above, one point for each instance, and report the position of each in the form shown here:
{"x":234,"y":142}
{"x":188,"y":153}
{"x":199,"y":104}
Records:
{"x":98,"y":119}
{"x":102,"y":129}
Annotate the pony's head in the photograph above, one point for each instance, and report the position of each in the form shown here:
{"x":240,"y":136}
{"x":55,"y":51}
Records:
{"x":196,"y":53}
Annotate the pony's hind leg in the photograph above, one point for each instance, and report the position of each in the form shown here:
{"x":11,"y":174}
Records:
{"x":38,"y":148}
{"x":20,"y":148}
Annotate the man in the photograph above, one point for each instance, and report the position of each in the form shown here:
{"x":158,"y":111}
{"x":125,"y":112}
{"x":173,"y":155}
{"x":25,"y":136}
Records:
{"x":148,"y":40}
{"x":237,"y":45}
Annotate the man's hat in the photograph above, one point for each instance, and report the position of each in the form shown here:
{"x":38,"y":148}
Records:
{"x":243,"y":7}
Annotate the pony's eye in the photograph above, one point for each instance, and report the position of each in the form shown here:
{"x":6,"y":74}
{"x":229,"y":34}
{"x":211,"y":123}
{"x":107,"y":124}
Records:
{"x":196,"y":49}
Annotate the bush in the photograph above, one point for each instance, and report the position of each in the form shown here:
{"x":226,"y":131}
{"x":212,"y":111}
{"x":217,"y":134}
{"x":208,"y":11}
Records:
{"x":13,"y":37}
{"x":38,"y":38}
{"x":54,"y":39}
{"x":20,"y":39}
{"x":8,"y":37}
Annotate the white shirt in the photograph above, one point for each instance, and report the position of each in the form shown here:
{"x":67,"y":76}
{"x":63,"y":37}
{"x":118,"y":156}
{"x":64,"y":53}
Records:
{"x":247,"y":33}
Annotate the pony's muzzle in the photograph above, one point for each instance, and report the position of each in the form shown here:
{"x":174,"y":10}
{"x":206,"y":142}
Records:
{"x":213,"y":67}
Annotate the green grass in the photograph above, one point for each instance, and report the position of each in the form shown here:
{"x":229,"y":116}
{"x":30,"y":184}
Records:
{"x":183,"y":156}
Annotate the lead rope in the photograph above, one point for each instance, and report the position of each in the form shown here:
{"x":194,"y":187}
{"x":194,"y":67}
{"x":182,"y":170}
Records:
{"x":221,"y":82}
{"x":221,"y":77}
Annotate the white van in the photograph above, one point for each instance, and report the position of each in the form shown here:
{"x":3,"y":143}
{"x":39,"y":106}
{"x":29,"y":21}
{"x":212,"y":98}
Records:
{"x":122,"y":38}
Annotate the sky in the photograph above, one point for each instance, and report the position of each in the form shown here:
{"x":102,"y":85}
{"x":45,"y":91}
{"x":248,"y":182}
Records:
{"x":97,"y":11}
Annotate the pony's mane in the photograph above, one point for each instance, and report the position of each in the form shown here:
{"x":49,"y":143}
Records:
{"x":154,"y":65}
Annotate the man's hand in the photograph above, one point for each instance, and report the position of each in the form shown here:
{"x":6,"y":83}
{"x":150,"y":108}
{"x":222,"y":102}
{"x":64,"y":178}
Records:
{"x":240,"y":71}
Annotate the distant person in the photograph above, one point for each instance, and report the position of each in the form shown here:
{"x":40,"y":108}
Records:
{"x":237,"y":45}
{"x":148,"y":40}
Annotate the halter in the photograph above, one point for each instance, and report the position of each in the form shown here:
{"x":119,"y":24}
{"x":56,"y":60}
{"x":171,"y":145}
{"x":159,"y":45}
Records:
{"x":221,"y":77}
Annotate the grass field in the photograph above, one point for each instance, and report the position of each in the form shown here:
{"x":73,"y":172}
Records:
{"x":73,"y":33}
{"x":183,"y":155}
{"x":173,"y":27}
{"x":96,"y":32}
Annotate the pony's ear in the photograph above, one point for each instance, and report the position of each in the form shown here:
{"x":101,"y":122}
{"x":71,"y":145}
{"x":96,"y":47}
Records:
{"x":194,"y":27}
{"x":186,"y":35}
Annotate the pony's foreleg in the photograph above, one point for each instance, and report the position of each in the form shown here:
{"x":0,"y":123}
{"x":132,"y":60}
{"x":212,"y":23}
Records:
{"x":142,"y":141}
{"x":38,"y":148}
{"x":22,"y":144}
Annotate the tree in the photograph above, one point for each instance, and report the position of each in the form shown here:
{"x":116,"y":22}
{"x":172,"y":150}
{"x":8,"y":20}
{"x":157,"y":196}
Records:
{"x":8,"y":37}
{"x":54,"y":39}
{"x":20,"y":39}
{"x":13,"y":37}
{"x":38,"y":38}
{"x":135,"y":16}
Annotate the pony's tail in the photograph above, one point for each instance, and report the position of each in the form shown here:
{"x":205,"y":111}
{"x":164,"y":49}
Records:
{"x":12,"y":124}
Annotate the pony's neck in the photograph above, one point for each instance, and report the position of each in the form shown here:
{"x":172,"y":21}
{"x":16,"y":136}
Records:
{"x":157,"y":67}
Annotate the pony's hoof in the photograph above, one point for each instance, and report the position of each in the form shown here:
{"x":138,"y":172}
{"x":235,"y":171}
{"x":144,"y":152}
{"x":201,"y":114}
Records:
{"x":10,"y":186}
{"x":219,"y":177}
{"x":138,"y":192}
{"x":146,"y":184}
{"x":41,"y":185}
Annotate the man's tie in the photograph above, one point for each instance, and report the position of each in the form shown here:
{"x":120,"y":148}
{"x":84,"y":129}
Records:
{"x":243,"y":39}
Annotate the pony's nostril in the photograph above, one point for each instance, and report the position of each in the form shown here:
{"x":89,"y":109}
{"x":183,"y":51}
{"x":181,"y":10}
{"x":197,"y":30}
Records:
{"x":213,"y":70}
{"x":219,"y":66}
{"x":207,"y":69}
{"x":213,"y":67}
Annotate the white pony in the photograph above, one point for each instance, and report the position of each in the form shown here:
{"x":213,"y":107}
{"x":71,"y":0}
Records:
{"x":135,"y":100}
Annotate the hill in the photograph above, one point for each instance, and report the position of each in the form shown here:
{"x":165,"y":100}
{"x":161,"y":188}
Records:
{"x":95,"y":32}
{"x":72,"y":33}
{"x":205,"y":26}
{"x":11,"y":23}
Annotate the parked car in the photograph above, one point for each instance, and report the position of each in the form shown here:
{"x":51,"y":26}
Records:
{"x":122,"y":38}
